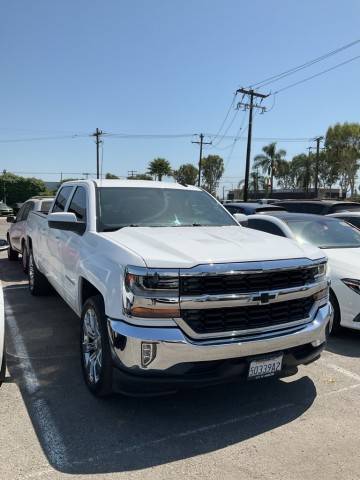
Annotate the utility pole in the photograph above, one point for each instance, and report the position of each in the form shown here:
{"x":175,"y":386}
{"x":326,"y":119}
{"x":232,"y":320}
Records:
{"x":132,"y":173}
{"x":250,"y":105}
{"x":201,"y":143}
{"x":98,"y":133}
{"x":317,"y":140}
{"x":307,"y":180}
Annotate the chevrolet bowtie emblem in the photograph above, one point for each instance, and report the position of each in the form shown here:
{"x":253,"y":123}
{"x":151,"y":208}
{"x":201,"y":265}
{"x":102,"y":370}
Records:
{"x":264,"y":298}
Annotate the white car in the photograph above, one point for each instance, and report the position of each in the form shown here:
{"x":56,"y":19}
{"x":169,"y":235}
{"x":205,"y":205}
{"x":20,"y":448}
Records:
{"x":349,"y":216}
{"x":16,"y":235}
{"x":339,"y":240}
{"x":2,"y":338}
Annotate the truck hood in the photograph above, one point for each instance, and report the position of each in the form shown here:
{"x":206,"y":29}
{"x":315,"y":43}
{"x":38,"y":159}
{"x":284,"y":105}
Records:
{"x":186,"y":247}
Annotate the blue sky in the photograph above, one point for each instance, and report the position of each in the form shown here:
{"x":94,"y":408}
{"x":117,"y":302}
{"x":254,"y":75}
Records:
{"x":165,"y":66}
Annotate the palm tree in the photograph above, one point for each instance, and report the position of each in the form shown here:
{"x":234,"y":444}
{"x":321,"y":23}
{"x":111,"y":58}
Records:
{"x":269,"y":160}
{"x":160,"y":168}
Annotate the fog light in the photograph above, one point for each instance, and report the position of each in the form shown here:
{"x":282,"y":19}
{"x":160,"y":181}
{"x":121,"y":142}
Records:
{"x":148,"y":353}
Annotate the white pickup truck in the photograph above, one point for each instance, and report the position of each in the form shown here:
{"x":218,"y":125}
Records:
{"x":172,"y":291}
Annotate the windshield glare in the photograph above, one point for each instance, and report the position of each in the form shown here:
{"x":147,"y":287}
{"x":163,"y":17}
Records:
{"x":158,"y":207}
{"x":325,"y":233}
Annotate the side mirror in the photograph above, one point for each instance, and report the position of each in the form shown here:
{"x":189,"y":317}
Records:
{"x":241,"y":218}
{"x":3,"y":244}
{"x":10,"y":219}
{"x":66,"y":221}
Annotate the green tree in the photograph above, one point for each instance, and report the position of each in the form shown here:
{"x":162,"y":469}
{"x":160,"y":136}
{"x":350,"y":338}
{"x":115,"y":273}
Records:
{"x":160,"y":167}
{"x":140,"y":176}
{"x":111,"y":176}
{"x":212,"y":171}
{"x":269,"y":161}
{"x":186,"y":173}
{"x":16,"y":189}
{"x":342,"y":142}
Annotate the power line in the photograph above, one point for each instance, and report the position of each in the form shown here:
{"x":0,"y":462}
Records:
{"x":293,"y":70}
{"x":35,"y":139}
{"x":316,"y":74}
{"x":226,"y":117}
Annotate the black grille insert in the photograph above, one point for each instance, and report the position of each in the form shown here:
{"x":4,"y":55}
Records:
{"x":219,"y":320}
{"x":243,"y":283}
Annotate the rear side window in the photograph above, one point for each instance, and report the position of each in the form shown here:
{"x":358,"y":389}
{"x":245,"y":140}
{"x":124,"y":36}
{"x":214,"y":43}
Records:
{"x":78,"y":204}
{"x":45,"y":206}
{"x":61,"y":199}
{"x":28,"y":208}
{"x":265,"y":226}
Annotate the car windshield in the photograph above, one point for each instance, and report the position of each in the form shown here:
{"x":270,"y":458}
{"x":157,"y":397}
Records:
{"x":158,"y":207}
{"x":325,"y":233}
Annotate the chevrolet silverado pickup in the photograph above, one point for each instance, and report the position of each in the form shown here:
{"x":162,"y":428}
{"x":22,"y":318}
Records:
{"x":172,"y":291}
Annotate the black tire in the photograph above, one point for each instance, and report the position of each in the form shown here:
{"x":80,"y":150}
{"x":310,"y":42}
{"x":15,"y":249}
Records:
{"x":25,"y":258}
{"x":12,"y":254}
{"x":100,"y":383}
{"x":336,"y":327}
{"x":38,"y":284}
{"x":3,"y":367}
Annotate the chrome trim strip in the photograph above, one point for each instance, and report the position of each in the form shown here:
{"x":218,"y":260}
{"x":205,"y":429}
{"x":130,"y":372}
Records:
{"x":250,"y":267}
{"x":203,"y":302}
{"x":240,"y":333}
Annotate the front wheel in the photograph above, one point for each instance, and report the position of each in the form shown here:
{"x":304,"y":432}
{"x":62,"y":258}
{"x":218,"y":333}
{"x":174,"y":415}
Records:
{"x":95,"y":348}
{"x":336,"y":316}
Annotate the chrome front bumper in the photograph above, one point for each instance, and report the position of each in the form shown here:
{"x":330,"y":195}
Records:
{"x":172,"y":347}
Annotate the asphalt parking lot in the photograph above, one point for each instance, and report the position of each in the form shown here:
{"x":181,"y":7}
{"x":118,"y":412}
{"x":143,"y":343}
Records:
{"x":302,"y":427}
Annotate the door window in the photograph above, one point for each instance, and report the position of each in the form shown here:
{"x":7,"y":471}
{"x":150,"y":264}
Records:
{"x":61,"y":199}
{"x":29,"y":206}
{"x":78,"y":204}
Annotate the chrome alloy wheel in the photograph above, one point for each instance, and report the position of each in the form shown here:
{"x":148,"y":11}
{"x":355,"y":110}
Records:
{"x":91,"y":346}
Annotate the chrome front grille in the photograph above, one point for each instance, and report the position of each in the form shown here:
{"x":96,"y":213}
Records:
{"x":247,"y":318}
{"x":244,"y":282}
{"x":227,"y":300}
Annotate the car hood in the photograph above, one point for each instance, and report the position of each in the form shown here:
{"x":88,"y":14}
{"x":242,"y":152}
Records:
{"x":344,"y":262}
{"x":186,"y":247}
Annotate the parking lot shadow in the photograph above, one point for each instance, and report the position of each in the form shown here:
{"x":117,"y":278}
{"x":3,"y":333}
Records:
{"x":11,"y":271}
{"x":345,"y":343}
{"x":81,"y":434}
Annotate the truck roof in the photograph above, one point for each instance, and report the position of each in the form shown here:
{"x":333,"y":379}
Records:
{"x":133,"y":183}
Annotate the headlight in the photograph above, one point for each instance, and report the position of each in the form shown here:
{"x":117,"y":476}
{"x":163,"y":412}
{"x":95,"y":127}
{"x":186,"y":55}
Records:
{"x":321,"y":270}
{"x":151,"y":293}
{"x":352,"y":283}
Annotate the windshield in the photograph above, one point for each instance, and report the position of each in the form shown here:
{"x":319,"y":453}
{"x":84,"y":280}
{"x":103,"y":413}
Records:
{"x":158,"y":207}
{"x":325,"y":233}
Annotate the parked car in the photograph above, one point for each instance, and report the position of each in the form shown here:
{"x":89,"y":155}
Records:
{"x":318,"y":207}
{"x":16,"y":235}
{"x":348,"y":216}
{"x":2,"y":338}
{"x":171,"y":291}
{"x":340,"y":241}
{"x":5,"y":209}
{"x":249,"y":208}
{"x":265,"y":201}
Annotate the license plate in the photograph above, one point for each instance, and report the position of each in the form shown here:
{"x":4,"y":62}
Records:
{"x":266,"y":367}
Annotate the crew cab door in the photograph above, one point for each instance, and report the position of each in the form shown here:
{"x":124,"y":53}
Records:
{"x":74,"y":245}
{"x":54,"y":241}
